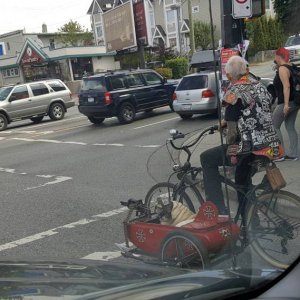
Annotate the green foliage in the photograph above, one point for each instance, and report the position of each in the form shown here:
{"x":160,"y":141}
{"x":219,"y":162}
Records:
{"x":73,"y":34}
{"x":202,"y":35}
{"x":179,"y":66}
{"x":165,"y":72}
{"x":129,"y":61}
{"x":264,"y":34}
{"x":283,"y":8}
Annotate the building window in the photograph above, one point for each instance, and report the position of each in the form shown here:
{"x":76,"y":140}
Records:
{"x":13,"y":72}
{"x":8,"y":46}
{"x":195,"y":9}
{"x":172,"y":42}
{"x":51,"y":44}
{"x":171,"y":21}
{"x":267,"y":4}
{"x":99,"y":34}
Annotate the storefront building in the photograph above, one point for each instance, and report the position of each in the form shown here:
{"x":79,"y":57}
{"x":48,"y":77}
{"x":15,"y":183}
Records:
{"x":35,"y":60}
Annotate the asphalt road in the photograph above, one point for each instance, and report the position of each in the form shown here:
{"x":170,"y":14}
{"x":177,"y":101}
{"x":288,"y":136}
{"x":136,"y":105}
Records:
{"x":71,"y":171}
{"x":62,"y":182}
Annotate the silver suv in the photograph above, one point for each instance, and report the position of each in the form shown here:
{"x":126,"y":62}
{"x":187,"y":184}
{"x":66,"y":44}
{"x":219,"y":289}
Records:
{"x":34,"y":100}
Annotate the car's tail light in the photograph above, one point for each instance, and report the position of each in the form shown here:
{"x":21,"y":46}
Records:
{"x":107,"y":98}
{"x":174,"y":97}
{"x":207,"y":94}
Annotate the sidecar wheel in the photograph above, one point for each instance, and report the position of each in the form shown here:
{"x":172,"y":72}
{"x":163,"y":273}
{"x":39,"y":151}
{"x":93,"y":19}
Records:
{"x":182,"y":249}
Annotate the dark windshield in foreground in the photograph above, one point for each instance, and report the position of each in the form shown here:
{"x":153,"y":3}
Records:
{"x":4,"y":92}
{"x":96,"y":84}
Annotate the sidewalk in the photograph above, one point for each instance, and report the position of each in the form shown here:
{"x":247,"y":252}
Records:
{"x":289,"y":169}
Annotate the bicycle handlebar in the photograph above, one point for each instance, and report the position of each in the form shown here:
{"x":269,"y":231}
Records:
{"x":177,"y":135}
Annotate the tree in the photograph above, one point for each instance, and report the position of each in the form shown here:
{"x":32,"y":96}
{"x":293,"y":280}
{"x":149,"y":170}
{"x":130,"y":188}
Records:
{"x":287,"y":12}
{"x":73,"y":34}
{"x":202,"y":35}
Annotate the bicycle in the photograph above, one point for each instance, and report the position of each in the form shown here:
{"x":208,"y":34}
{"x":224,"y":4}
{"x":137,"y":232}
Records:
{"x":269,"y":220}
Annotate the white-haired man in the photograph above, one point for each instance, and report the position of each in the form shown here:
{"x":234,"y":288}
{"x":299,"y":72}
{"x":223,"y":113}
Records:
{"x":249,"y":123}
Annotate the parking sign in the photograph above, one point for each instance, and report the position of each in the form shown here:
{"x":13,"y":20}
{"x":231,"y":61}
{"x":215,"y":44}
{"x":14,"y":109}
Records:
{"x":241,"y":9}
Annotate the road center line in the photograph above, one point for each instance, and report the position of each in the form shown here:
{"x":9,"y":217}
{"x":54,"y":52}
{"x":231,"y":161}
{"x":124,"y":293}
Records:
{"x":50,"y":232}
{"x":156,"y":123}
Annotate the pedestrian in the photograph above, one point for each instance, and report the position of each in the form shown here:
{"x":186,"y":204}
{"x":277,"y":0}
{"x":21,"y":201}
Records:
{"x":286,"y":110}
{"x":248,"y":119}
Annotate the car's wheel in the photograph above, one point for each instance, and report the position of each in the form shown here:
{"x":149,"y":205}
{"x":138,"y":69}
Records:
{"x":3,"y":122}
{"x":96,"y":120}
{"x":56,"y":111}
{"x":186,"y":116}
{"x":37,"y":119}
{"x":126,"y":113}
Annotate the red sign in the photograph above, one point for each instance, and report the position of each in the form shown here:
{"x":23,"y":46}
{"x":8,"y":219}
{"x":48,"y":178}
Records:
{"x":31,"y":56}
{"x":225,"y":55}
{"x":140,"y":21}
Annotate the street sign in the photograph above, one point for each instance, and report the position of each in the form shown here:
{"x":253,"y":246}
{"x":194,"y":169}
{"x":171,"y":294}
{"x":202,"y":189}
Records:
{"x":241,"y":9}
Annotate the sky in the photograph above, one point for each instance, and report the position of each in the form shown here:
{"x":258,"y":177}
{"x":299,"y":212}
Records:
{"x":31,"y":14}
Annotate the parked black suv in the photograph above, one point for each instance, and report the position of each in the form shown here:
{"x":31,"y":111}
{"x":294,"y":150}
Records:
{"x":122,"y":94}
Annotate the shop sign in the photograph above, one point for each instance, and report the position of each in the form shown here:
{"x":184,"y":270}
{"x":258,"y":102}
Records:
{"x":140,"y":22}
{"x":30,"y":56}
{"x":119,"y":27}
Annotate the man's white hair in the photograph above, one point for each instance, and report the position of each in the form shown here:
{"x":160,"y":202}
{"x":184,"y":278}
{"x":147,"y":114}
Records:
{"x":236,"y":67}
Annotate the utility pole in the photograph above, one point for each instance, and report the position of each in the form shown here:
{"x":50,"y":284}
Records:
{"x":192,"y":38}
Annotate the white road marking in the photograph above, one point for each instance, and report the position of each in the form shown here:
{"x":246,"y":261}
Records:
{"x":147,"y":146}
{"x":24,"y":139}
{"x":156,"y":123}
{"x":49,"y":141}
{"x":50,"y":232}
{"x":81,"y":143}
{"x":58,"y":179}
{"x":75,"y":143}
{"x":105,"y":256}
{"x":114,"y":145}
{"x":7,"y":170}
{"x":2,"y":138}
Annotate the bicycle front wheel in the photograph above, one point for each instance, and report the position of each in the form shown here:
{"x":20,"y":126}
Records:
{"x":273,"y":223}
{"x":167,"y":191}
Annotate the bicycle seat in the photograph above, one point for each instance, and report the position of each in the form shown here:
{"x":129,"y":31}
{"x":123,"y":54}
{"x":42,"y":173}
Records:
{"x":270,"y":152}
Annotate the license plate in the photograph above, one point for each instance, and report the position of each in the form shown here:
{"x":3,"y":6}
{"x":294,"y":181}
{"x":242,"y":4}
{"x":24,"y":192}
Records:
{"x":91,"y":99}
{"x":187,"y":107}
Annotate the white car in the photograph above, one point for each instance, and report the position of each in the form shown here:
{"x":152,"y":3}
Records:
{"x":196,"y":93}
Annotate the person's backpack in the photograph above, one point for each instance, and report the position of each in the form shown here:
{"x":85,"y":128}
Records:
{"x":295,"y":73}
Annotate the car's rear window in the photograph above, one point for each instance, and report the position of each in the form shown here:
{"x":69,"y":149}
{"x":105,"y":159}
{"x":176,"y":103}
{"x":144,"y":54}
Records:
{"x":193,"y":83}
{"x":93,"y":84}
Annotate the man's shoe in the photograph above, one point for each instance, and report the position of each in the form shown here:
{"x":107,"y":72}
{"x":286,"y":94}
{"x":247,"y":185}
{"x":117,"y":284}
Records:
{"x":286,"y":157}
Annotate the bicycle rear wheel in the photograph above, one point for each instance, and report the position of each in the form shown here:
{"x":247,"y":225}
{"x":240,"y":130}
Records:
{"x":187,"y":195}
{"x":273,"y":223}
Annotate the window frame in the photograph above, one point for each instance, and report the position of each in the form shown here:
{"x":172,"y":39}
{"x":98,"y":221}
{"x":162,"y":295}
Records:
{"x":147,"y":82}
{"x":14,"y":91}
{"x":39,"y":84}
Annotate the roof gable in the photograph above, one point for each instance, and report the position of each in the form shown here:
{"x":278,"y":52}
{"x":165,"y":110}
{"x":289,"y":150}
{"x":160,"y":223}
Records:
{"x":31,"y":52}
